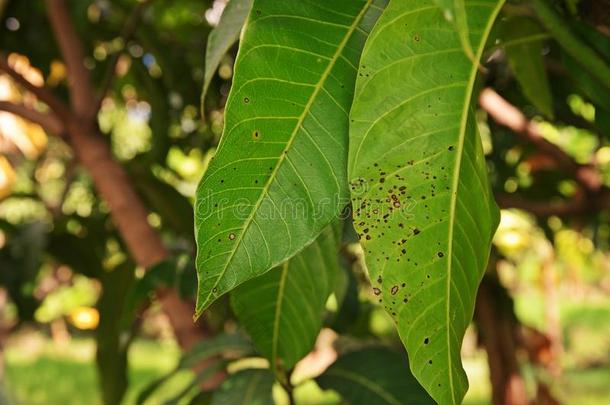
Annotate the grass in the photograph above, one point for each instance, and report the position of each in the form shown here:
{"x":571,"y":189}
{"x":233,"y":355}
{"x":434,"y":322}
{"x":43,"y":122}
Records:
{"x":39,"y":372}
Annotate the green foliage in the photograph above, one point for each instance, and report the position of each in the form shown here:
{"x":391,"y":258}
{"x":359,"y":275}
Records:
{"x":246,"y":387}
{"x":20,"y":260}
{"x":282,"y":309}
{"x":374,"y":375}
{"x":114,"y":334}
{"x":422,"y":204}
{"x":279,"y":175}
{"x":374,"y":95}
{"x":527,"y":61}
{"x":223,"y":37}
{"x":455,"y":12}
{"x":227,"y":345}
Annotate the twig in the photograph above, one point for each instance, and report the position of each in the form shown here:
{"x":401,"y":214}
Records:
{"x":509,"y":116}
{"x":79,"y":79}
{"x":47,"y":120}
{"x":40,"y":92}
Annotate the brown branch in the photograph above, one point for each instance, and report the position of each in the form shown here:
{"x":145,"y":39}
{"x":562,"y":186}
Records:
{"x":126,"y":34}
{"x":580,"y":204}
{"x":111,"y":181}
{"x":41,"y":93}
{"x":591,"y":197}
{"x":511,"y":117}
{"x":46,"y":120}
{"x":79,"y":79}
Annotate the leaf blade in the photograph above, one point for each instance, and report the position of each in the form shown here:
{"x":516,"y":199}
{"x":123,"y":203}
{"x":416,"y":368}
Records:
{"x":303,"y":113}
{"x":455,"y":12}
{"x":527,"y":62}
{"x":246,"y":387}
{"x":222,"y":37}
{"x":374,"y":375}
{"x":415,"y":164}
{"x":286,"y":330}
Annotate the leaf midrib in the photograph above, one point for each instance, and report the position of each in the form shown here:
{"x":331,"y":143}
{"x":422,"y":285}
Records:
{"x":278,"y":313}
{"x":304,"y":114}
{"x":251,"y":388}
{"x":455,"y":183}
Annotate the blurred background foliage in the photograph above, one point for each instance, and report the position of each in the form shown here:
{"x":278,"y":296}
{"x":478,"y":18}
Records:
{"x":70,"y":289}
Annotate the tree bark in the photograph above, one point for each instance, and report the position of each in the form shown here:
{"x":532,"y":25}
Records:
{"x":131,"y":218}
{"x":497,"y":331}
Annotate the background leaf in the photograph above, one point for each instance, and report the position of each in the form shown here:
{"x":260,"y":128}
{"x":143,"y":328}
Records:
{"x":226,"y":345}
{"x":422,"y":203}
{"x":374,"y":375}
{"x":246,"y":387}
{"x":279,"y":175}
{"x":223,"y":36}
{"x":282,"y":309}
{"x":527,"y":62}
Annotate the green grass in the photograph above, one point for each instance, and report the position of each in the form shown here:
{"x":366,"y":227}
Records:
{"x":41,"y":373}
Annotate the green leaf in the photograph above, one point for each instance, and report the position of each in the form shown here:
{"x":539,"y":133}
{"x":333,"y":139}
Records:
{"x":195,"y":384}
{"x":225,"y":345}
{"x":374,"y":376}
{"x":527,"y":62}
{"x":223,"y":36}
{"x":113,"y":335}
{"x":282,"y":309}
{"x":422,"y":203}
{"x":455,"y":12}
{"x":573,"y":45}
{"x":279,"y":175}
{"x":234,"y":344}
{"x":246,"y":387}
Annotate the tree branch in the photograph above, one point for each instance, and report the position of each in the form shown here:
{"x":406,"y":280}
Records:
{"x":46,"y":120}
{"x":40,"y":92}
{"x":79,"y":79}
{"x":509,"y":116}
{"x":580,"y":204}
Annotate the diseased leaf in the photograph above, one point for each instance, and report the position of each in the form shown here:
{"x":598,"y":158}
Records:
{"x":374,"y":375}
{"x":527,"y":62}
{"x":282,"y":309}
{"x":246,"y":387}
{"x":223,"y":36}
{"x":279,"y":175}
{"x":421,"y":199}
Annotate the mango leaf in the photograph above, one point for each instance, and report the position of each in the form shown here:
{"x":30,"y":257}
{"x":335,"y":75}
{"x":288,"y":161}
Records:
{"x":455,"y":12}
{"x":527,"y":62}
{"x":374,"y":375}
{"x":422,"y":203}
{"x":282,"y":309}
{"x":225,"y":345}
{"x":246,"y":387}
{"x":279,"y":175}
{"x":223,"y":36}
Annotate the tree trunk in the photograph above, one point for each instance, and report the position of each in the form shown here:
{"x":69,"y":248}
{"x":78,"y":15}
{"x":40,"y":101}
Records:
{"x":131,"y":218}
{"x":497,"y":331}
